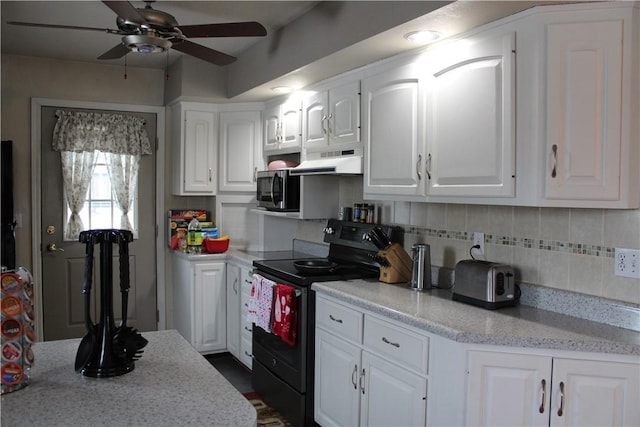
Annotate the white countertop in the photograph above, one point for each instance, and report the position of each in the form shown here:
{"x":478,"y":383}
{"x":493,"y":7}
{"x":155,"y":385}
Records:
{"x":433,"y":311}
{"x":171,"y":385}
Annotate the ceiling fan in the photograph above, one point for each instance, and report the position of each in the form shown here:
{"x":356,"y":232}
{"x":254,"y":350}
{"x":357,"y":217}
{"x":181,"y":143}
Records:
{"x":147,"y":30}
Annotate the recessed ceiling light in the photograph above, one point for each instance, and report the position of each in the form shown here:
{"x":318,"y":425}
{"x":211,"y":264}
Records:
{"x":282,"y":89}
{"x":422,"y":36}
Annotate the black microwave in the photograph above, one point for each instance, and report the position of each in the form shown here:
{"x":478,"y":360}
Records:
{"x":277,"y":190}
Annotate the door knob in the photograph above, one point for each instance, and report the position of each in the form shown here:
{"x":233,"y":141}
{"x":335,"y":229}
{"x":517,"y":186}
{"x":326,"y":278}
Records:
{"x":51,"y":247}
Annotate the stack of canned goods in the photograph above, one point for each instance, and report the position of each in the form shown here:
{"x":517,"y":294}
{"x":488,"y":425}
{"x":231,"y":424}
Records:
{"x":17,"y":329}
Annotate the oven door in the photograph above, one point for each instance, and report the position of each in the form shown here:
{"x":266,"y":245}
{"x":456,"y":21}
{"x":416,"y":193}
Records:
{"x":287,"y":362}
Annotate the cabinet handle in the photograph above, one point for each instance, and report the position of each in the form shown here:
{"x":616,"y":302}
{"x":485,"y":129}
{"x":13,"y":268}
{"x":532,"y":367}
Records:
{"x":418,"y":165}
{"x":386,"y":341}
{"x":429,"y":167}
{"x":247,"y":354}
{"x":561,"y":409}
{"x":255,"y":174}
{"x":235,"y":289}
{"x":544,"y":396}
{"x":329,"y":123}
{"x":554,"y":160}
{"x":247,"y":329}
{"x":323,"y":121}
{"x":354,"y":376}
{"x":335,"y":319}
{"x":209,"y":174}
{"x":362,"y":381}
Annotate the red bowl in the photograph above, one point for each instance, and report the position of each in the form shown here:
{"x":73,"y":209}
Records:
{"x":216,"y":246}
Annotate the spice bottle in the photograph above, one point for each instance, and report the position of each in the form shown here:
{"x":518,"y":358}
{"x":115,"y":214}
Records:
{"x":194,"y":237}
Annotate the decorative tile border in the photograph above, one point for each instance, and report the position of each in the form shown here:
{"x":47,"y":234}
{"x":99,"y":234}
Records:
{"x":523,"y":242}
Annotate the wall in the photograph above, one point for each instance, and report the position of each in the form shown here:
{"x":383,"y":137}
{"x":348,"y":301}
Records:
{"x":24,"y":78}
{"x":569,"y":249}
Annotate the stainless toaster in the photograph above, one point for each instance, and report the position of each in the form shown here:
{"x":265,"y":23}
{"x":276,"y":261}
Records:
{"x":485,"y":284}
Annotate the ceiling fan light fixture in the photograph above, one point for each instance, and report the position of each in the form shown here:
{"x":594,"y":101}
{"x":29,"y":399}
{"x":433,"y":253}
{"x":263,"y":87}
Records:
{"x":142,"y":43}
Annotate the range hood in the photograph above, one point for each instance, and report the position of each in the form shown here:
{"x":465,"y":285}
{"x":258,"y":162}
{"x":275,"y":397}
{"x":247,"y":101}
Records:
{"x":343,"y":163}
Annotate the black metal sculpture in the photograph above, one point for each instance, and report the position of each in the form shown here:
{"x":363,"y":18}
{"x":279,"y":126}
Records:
{"x":107,"y":350}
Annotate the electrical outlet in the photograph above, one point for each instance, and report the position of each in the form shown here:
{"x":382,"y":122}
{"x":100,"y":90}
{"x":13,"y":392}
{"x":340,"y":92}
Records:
{"x":627,"y":263}
{"x":478,"y":240}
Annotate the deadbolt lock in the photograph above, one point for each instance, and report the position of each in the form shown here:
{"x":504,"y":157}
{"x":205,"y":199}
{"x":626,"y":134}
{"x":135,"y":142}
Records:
{"x":51,"y":229}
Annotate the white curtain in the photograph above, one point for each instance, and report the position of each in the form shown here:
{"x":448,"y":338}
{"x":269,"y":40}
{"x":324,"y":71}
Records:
{"x":79,"y":135}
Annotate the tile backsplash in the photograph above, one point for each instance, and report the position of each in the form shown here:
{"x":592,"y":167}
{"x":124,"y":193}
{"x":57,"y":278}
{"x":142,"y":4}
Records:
{"x":560,"y":248}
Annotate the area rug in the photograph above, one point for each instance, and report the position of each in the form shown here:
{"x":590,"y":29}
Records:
{"x":267,"y":416}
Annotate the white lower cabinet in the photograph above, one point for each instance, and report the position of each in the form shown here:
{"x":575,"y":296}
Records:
{"x":238,"y":329}
{"x":538,"y":390}
{"x":199,"y":303}
{"x":363,"y":382}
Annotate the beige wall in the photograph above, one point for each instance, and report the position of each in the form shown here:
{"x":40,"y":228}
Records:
{"x":24,"y":78}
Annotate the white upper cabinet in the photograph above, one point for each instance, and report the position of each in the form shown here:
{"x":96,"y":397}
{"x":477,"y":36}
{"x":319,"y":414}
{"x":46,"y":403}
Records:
{"x":283,"y":127}
{"x":471,"y":118}
{"x":591,"y":136}
{"x":195,"y":146}
{"x":240,"y":151}
{"x":331,"y":119}
{"x":393,"y":126}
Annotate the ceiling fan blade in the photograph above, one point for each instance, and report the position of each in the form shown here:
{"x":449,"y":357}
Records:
{"x":204,"y":53}
{"x":64,"y":27}
{"x":115,"y":52}
{"x":232,"y":29}
{"x":126,"y":11}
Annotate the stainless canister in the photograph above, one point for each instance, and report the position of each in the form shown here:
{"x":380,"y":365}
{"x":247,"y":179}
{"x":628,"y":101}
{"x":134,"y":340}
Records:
{"x":421,"y":277}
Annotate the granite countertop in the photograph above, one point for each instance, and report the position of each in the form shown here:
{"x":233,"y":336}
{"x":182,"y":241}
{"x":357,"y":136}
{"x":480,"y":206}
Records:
{"x":521,"y":326}
{"x":172,"y":384}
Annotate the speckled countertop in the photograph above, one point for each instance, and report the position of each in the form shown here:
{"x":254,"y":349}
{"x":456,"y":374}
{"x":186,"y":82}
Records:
{"x":171,"y":385}
{"x":522,"y":326}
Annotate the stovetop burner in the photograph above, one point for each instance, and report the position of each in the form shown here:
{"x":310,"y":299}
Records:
{"x":284,"y":269}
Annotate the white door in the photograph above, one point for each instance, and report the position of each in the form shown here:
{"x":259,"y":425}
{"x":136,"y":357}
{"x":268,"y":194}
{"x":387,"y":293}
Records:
{"x":210,"y":307}
{"x":392,"y":132}
{"x":63,"y":268}
{"x":314,"y":120}
{"x":337,"y":391}
{"x":590,"y":393}
{"x":391,"y":396}
{"x":233,"y":309}
{"x":240,"y":151}
{"x":344,"y":114}
{"x":506,"y":389}
{"x":471,"y":119}
{"x":584,"y":101}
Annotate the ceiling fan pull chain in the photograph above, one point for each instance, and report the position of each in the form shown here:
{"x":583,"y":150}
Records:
{"x":125,"y":67}
{"x":166,"y":72}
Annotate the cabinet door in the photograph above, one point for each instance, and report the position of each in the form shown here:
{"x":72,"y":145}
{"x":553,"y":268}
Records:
{"x":584,"y":90}
{"x":508,"y":389}
{"x":393,"y":133}
{"x":210,"y":307}
{"x":590,"y":393}
{"x":271,"y":127}
{"x":291,"y":134}
{"x":314,"y":120}
{"x":234,"y":321}
{"x":344,"y":114}
{"x":470,"y":119}
{"x":337,"y":393}
{"x":240,"y":150}
{"x":391,"y":396}
{"x":200,"y":150}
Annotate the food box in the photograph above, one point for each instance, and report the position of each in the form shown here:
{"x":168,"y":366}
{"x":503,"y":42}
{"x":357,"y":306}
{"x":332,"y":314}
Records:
{"x":180,"y":219}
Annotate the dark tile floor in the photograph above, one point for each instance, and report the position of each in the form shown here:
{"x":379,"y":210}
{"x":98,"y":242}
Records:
{"x":234,"y":371}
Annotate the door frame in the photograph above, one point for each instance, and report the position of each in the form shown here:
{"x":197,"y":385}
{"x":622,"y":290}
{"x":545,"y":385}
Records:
{"x":36,"y":193}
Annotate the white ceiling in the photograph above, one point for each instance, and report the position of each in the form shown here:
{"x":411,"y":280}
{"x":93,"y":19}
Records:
{"x":79,"y":45}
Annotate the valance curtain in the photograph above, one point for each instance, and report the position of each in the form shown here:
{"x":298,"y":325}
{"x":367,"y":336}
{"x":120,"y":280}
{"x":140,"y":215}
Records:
{"x":79,"y":136}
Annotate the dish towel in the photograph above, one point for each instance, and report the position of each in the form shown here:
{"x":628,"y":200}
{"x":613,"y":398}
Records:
{"x":252,"y":309}
{"x":265,"y":304}
{"x":285,"y":313}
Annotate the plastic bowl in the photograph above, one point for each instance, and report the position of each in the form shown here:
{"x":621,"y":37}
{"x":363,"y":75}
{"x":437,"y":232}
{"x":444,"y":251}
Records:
{"x":216,"y":246}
